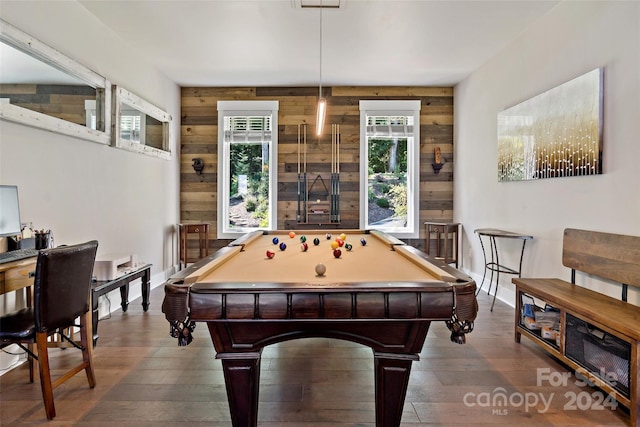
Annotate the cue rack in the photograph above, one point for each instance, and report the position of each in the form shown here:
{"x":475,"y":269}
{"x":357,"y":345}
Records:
{"x":312,"y":209}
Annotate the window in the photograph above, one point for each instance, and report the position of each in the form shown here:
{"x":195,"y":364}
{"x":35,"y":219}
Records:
{"x":390,"y":167}
{"x":247,"y":166}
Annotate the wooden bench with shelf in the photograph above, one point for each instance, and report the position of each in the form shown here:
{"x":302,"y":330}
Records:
{"x":595,"y":334}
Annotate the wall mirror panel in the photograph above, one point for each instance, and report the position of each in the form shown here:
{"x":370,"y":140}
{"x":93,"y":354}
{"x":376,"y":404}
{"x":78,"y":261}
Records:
{"x":139,"y":125}
{"x":44,"y":88}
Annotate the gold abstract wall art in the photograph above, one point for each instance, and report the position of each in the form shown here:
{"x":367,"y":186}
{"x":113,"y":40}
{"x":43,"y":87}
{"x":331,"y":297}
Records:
{"x":555,"y":134}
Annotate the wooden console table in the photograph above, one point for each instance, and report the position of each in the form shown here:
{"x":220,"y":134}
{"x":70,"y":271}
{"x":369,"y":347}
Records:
{"x":494,"y":264}
{"x":101,"y":287}
{"x":202,"y":230}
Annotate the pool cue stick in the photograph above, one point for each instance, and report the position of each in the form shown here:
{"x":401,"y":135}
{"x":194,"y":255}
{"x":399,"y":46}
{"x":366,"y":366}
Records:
{"x":333,"y":170}
{"x":298,"y":177}
{"x":338,"y":173}
{"x":304,"y":175}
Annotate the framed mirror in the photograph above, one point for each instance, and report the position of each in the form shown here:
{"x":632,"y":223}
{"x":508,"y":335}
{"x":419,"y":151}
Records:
{"x":44,"y":88}
{"x":139,"y":125}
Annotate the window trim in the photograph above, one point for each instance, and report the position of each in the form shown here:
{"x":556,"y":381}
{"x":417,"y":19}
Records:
{"x":226,"y":108}
{"x":393,"y":107}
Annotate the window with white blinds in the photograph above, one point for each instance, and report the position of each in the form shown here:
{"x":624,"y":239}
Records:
{"x":247,"y":166}
{"x":390,"y":167}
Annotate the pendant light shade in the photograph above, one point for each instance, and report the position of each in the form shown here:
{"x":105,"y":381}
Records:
{"x":322,"y":103}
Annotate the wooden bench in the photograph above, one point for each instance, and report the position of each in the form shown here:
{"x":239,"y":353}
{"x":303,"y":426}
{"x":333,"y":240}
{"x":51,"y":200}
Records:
{"x":594,"y":334}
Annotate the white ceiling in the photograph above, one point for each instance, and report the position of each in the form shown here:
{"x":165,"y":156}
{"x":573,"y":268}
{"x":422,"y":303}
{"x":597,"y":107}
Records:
{"x":277,"y":42}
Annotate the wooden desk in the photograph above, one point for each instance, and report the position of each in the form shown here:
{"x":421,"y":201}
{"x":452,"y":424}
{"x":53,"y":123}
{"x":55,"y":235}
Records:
{"x":494,"y":265}
{"x":16,"y":275}
{"x":101,"y":287}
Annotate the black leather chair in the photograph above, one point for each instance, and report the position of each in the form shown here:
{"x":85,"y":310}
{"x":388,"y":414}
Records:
{"x":62,"y":289}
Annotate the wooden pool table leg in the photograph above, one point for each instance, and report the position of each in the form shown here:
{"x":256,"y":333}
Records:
{"x":242,"y":378}
{"x":391,"y":378}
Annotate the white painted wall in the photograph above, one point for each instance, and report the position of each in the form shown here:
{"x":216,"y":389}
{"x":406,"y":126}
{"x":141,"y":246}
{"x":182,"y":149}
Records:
{"x":81,"y":190}
{"x":572,"y":39}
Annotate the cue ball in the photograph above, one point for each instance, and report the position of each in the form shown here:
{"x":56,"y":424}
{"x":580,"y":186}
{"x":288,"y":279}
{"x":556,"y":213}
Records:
{"x":320,"y":269}
{"x":275,"y":240}
{"x":270,"y":254}
{"x":337,"y":253}
{"x":316,"y":241}
{"x":328,"y":236}
{"x":304,"y":246}
{"x":283,"y":246}
{"x":292,"y":234}
{"x":363,"y":242}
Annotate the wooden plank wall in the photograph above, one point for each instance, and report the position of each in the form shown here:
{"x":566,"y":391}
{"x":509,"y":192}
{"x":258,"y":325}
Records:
{"x":65,"y":102}
{"x":199,"y":133}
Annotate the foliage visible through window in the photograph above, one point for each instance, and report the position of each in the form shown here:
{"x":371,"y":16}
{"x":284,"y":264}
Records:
{"x":247,"y":154}
{"x":249,"y":170}
{"x":390,"y":150}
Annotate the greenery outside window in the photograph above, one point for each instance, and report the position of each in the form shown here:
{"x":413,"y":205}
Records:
{"x":390,"y":167}
{"x":247,"y":166}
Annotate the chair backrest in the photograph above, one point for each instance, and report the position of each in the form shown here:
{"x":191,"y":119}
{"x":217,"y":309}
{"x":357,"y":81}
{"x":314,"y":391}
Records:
{"x":62,"y":284}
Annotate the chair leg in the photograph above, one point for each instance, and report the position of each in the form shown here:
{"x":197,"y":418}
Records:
{"x":31,"y":362}
{"x":45,"y":374}
{"x":86,"y":338}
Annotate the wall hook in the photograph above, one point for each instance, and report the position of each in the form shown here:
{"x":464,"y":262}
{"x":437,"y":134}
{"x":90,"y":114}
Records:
{"x":438,"y":161}
{"x":198,"y":165}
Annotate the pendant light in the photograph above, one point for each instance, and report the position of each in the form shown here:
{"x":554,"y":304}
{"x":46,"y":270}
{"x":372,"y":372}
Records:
{"x":322,"y":103}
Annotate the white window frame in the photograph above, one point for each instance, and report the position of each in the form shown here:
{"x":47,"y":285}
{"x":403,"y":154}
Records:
{"x":393,"y":108}
{"x":228,"y":108}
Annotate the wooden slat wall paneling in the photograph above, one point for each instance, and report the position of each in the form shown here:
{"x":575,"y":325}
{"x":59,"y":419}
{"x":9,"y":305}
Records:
{"x":199,"y":138}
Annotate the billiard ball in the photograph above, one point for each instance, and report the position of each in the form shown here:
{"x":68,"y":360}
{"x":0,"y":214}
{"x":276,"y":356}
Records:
{"x":328,"y":236}
{"x":316,"y":241}
{"x":283,"y":246}
{"x":320,"y":269}
{"x":334,"y":245}
{"x":275,"y":240}
{"x":348,"y":246}
{"x":340,"y":242}
{"x":303,"y":239}
{"x":270,"y":254}
{"x":292,"y":234}
{"x":337,"y":253}
{"x":304,"y":246}
{"x":343,"y":236}
{"x":363,"y":242}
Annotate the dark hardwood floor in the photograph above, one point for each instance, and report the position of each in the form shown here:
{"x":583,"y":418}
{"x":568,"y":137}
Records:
{"x":145,"y":379}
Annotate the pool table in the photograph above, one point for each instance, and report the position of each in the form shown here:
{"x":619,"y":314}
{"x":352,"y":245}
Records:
{"x":381,"y":293}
